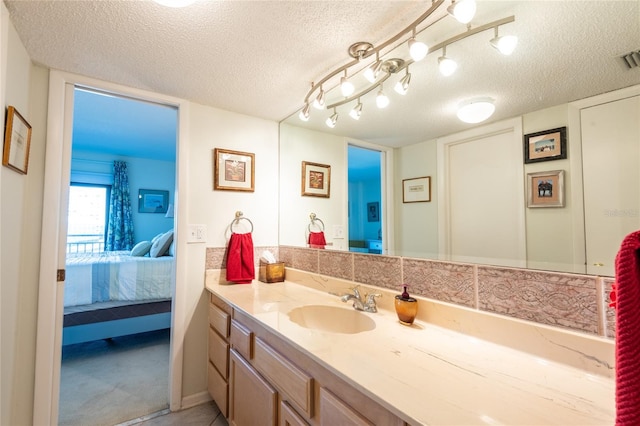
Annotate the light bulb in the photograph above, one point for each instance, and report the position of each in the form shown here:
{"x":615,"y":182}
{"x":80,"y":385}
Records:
{"x":382,"y":101}
{"x":346,"y":87}
{"x":356,"y":112}
{"x":331,"y":121}
{"x":463,"y":10}
{"x":371,"y":73}
{"x":417,"y":49}
{"x":304,"y":113}
{"x":318,"y":102}
{"x":402,"y":86}
{"x":447,"y":66}
{"x":505,"y":44}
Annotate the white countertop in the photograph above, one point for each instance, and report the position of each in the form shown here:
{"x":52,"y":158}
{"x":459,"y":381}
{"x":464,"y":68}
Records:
{"x":431,"y":375}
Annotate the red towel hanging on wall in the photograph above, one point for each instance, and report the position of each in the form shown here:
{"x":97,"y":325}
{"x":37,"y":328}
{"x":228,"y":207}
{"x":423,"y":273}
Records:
{"x":627,"y":304}
{"x":317,"y":240}
{"x":240,"y":265}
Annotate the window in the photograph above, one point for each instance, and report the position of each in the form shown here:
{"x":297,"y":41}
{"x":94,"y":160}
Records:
{"x":87,"y":219}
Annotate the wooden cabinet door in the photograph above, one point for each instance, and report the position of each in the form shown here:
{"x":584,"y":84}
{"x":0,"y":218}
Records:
{"x":335,"y":412}
{"x":252,"y":400}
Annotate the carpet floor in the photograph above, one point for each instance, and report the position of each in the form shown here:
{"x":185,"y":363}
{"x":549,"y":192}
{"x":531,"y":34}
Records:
{"x":107,"y":382}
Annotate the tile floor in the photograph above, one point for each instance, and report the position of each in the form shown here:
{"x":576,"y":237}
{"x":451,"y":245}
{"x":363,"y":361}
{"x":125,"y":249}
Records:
{"x":206,"y":414}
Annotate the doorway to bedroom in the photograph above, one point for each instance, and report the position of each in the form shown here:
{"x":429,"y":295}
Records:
{"x":120,"y":266}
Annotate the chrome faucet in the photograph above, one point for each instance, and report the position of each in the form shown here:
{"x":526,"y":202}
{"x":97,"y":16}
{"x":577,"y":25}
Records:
{"x":368,"y":305}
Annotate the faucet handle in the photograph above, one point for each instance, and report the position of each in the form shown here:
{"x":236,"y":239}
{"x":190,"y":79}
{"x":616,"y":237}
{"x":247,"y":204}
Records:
{"x":356,"y":290}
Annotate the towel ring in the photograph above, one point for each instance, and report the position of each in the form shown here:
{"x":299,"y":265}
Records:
{"x":313,"y":221}
{"x":238,"y":218}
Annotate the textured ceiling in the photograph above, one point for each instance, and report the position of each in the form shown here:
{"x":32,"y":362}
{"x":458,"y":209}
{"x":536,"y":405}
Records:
{"x":259,"y":57}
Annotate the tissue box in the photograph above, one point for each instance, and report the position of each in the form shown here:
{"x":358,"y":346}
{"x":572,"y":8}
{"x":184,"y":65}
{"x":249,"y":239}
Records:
{"x":271,"y":272}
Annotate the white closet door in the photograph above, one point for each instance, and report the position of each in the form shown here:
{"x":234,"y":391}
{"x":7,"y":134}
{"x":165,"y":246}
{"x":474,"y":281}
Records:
{"x":484,"y":193}
{"x":611,"y":158}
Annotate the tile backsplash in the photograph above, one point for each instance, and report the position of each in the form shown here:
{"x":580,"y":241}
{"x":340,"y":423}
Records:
{"x":576,"y":302}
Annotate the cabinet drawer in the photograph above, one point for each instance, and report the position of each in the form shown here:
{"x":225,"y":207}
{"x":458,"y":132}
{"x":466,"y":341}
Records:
{"x":288,"y":416}
{"x":334,"y":411}
{"x":218,"y":389}
{"x":219,"y":353}
{"x":219,"y":320}
{"x":241,"y":339}
{"x":289,"y":379}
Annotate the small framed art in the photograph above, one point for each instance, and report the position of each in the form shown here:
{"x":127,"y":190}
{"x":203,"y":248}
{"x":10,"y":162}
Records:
{"x":233,"y":170}
{"x":545,"y":146}
{"x":316,"y":179}
{"x":153,"y":201}
{"x":545,"y":189}
{"x":416,"y":190}
{"x":17,"y":140}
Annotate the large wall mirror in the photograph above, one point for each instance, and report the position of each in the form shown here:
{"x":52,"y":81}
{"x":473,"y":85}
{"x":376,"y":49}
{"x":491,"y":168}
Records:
{"x":481,"y":208}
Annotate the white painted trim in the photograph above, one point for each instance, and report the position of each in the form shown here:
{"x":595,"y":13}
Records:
{"x":514,"y":126}
{"x":49,"y":326}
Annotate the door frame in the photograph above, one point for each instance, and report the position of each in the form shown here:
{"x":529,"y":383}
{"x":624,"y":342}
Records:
{"x":52,"y":249}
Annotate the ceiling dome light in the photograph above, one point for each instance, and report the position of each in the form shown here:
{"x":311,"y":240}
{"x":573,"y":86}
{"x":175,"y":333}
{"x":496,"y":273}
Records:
{"x":356,"y":112}
{"x":382,"y":101}
{"x":175,"y":3}
{"x":417,"y":49}
{"x":476,"y":110}
{"x":505,"y":44}
{"x":402,"y":86}
{"x":318,"y":102}
{"x":463,"y":10}
{"x":346,"y":87}
{"x":331,"y":121}
{"x":305,"y":113}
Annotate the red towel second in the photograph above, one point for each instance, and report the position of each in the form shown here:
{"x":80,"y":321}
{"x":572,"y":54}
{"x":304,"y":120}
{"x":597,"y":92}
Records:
{"x":240,"y":265}
{"x":317,"y":240}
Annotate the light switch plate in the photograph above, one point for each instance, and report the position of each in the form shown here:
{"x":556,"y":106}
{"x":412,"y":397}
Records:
{"x":197,"y":234}
{"x":338,"y":231}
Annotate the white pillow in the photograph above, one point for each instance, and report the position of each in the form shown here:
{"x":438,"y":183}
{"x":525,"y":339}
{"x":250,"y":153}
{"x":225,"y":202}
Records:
{"x":141,"y":249}
{"x":154,"y":239}
{"x":161,"y":245}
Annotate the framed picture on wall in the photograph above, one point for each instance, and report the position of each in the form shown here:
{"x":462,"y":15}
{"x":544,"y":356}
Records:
{"x":416,"y":190}
{"x":545,"y":189}
{"x":153,"y":201}
{"x":316,"y":179}
{"x":545,"y":146}
{"x":233,"y":170}
{"x":373,"y":212}
{"x":17,"y":140}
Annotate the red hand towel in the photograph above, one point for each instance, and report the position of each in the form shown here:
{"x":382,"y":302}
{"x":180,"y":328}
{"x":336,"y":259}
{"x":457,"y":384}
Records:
{"x":240,"y":266}
{"x":316,"y":240}
{"x":628,"y":331}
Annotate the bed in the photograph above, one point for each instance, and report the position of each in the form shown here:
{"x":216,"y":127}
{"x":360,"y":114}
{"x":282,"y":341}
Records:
{"x":113,"y":294}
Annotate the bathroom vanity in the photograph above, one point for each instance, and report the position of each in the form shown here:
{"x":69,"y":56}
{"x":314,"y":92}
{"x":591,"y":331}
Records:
{"x":292,"y":353}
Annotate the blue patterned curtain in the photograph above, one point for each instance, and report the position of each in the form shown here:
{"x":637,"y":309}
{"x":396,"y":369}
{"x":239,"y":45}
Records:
{"x":120,"y":227}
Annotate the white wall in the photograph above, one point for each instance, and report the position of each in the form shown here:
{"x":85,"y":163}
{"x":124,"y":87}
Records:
{"x":416,"y":225}
{"x":298,"y":145}
{"x":211,"y":128}
{"x":21,"y":217}
{"x":143,"y":174}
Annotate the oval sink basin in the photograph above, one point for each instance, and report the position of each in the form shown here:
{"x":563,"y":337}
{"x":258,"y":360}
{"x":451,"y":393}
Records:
{"x":333,"y":319}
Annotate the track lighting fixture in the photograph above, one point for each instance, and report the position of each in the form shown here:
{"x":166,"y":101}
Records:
{"x":505,"y":44}
{"x":402,"y":86}
{"x":371,"y":73}
{"x":346,"y":87}
{"x":319,"y":100}
{"x":331,"y":121}
{"x":386,"y":64}
{"x":417,"y":49}
{"x":356,"y":112}
{"x":447,"y":66}
{"x":382,"y":101}
{"x":305,"y":113}
{"x":462,"y":10}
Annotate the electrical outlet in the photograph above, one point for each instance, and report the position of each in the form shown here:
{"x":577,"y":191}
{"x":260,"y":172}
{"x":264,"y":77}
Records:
{"x":197,"y":234}
{"x":338,"y":231}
